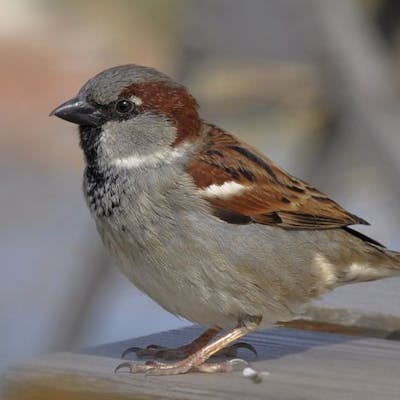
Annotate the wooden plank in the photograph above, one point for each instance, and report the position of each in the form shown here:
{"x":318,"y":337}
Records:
{"x":302,"y":365}
{"x":347,"y":322}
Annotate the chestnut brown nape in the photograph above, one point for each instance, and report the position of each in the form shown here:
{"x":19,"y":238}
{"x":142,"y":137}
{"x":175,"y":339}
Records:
{"x":173,"y":101}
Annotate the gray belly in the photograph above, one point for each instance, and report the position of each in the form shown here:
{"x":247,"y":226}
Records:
{"x":197,"y":266}
{"x":215,"y":273}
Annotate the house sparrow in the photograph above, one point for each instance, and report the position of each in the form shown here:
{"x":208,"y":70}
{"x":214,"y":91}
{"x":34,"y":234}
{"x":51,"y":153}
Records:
{"x":203,"y":223}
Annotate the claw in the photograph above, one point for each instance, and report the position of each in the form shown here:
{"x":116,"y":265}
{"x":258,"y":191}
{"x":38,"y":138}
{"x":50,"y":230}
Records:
{"x":232,"y":350}
{"x":124,"y":365}
{"x":149,"y":351}
{"x":154,"y":346}
{"x":244,"y":345}
{"x":130,"y":350}
{"x":157,"y":352}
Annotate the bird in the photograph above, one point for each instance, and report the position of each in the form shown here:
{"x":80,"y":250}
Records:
{"x":202,"y":222}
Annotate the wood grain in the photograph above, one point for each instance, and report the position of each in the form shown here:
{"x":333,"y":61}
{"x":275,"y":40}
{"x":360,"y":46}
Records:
{"x":302,"y":365}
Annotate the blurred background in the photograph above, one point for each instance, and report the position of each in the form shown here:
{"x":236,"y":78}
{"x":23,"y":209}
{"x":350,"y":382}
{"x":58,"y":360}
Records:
{"x":314,"y":84}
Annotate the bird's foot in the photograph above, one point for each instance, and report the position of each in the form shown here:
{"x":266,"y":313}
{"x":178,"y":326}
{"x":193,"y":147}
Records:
{"x":180,"y":367}
{"x":166,"y":353}
{"x":185,"y":351}
{"x":197,"y":361}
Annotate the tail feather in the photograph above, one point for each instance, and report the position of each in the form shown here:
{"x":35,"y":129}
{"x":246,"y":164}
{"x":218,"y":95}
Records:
{"x":380,"y":262}
{"x":395,"y":255}
{"x":386,"y":265}
{"x":363,"y":237}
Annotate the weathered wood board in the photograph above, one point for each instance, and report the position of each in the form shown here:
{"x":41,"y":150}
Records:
{"x":302,"y":365}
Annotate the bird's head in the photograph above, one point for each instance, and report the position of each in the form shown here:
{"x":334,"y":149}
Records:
{"x":131,"y":112}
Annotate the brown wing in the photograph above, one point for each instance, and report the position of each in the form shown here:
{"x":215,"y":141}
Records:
{"x":270,"y":195}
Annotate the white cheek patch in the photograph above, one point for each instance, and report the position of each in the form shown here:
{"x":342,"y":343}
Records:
{"x":227,"y":189}
{"x":149,"y":160}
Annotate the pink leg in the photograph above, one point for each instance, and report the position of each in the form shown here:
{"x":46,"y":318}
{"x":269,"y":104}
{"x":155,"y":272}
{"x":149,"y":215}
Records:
{"x":197,"y":360}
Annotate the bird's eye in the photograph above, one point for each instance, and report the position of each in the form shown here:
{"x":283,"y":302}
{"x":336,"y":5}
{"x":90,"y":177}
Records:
{"x":124,"y":106}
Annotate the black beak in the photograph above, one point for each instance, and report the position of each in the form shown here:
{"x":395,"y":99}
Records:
{"x":79,"y":111}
